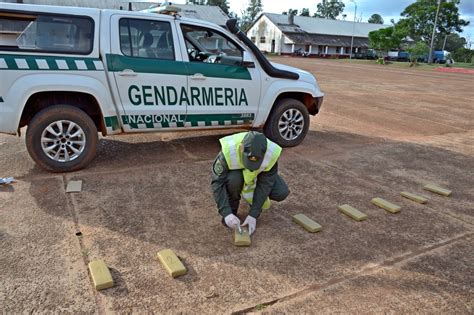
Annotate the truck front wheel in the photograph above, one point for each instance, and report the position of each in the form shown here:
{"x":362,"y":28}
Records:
{"x":288,"y":123}
{"x":62,"y":138}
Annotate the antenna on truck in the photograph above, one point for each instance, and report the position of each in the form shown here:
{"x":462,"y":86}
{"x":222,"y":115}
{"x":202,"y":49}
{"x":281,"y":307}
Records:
{"x":160,"y":7}
{"x":166,"y":7}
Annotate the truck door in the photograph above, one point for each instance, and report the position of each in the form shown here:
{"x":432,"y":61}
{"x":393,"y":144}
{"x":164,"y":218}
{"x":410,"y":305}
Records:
{"x":221,"y":92}
{"x":149,"y":72}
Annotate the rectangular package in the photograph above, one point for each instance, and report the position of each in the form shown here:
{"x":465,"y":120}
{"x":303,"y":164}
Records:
{"x":353,"y":212}
{"x":438,"y":190}
{"x":386,"y":205}
{"x":306,"y":223}
{"x":242,"y":239}
{"x":100,"y":274}
{"x":414,"y":197}
{"x":171,"y":263}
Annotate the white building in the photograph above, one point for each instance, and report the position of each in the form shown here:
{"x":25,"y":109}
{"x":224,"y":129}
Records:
{"x":283,"y":34}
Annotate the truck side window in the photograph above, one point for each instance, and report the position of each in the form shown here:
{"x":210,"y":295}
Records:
{"x":46,"y":33}
{"x":146,"y":39}
{"x":208,"y":45}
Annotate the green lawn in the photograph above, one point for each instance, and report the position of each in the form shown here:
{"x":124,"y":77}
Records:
{"x":463,"y":65}
{"x":406,"y":65}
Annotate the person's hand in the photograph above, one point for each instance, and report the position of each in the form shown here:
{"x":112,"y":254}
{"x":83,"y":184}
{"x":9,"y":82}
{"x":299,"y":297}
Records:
{"x":251,"y":222}
{"x":232,"y":221}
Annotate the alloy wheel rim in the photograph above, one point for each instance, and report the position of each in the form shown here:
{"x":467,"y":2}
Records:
{"x":63,"y":141}
{"x":291,"y":124}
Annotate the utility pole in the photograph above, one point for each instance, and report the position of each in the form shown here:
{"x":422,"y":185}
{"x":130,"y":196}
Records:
{"x":353,"y":28}
{"x":430,"y":57}
{"x":445,"y":38}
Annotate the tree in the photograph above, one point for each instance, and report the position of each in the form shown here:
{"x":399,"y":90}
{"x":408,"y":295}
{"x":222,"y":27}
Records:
{"x":463,"y":55}
{"x":233,"y":15}
{"x":388,"y":38}
{"x":376,"y":19}
{"x":418,"y":51}
{"x":248,"y":16}
{"x":290,"y":12}
{"x":419,"y":19}
{"x":304,"y":12}
{"x":453,"y":42}
{"x":329,"y":9}
{"x":221,"y":4}
{"x":254,"y":9}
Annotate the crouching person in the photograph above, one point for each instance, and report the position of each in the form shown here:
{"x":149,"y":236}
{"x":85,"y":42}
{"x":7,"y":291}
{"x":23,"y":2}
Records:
{"x":246,"y":166}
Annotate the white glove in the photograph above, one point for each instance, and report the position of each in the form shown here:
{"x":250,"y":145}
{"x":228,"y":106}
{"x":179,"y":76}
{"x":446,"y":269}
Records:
{"x":232,"y":221}
{"x":251,"y":222}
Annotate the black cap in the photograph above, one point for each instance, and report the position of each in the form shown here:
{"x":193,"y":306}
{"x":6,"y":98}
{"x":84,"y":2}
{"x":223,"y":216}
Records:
{"x":254,"y":148}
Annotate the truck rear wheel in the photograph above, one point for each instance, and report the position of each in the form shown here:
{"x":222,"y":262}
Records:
{"x":288,"y":123}
{"x":62,"y":138}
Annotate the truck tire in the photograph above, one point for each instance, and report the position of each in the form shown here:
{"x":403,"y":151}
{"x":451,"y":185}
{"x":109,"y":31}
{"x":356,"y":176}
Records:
{"x":62,"y":138}
{"x":288,"y":123}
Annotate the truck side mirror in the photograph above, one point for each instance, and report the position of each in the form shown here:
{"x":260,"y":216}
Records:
{"x":247,"y":60}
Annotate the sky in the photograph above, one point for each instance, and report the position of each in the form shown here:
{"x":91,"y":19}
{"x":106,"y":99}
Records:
{"x":388,"y":9}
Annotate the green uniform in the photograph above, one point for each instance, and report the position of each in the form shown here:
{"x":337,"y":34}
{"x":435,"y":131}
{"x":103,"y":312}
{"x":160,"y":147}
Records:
{"x":227,"y":188}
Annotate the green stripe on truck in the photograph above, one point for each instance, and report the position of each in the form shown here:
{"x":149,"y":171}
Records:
{"x":112,"y":122}
{"x":158,"y":121}
{"x":47,"y":63}
{"x":117,"y":63}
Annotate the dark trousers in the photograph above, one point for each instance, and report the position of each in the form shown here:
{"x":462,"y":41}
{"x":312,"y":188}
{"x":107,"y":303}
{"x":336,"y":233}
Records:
{"x":235,"y":183}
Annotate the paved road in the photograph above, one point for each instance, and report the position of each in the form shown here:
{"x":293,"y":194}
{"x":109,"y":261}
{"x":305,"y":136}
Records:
{"x":380,"y":131}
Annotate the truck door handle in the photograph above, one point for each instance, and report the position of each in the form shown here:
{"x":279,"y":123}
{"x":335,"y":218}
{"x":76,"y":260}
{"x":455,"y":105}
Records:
{"x":127,"y":73}
{"x":198,"y":76}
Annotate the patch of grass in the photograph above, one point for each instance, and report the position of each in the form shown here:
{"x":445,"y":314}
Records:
{"x":463,"y":65}
{"x":391,"y":64}
{"x":260,"y":307}
{"x":399,"y":64}
{"x":418,"y":66}
{"x":361,"y":61}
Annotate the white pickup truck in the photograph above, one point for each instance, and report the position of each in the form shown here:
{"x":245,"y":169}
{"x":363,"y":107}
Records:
{"x":69,"y":73}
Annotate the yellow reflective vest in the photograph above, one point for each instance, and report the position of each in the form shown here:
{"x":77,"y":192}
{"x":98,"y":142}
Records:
{"x":232,"y":153}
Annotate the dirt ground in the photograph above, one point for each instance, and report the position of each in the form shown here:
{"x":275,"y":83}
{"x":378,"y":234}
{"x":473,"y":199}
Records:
{"x":380,"y":131}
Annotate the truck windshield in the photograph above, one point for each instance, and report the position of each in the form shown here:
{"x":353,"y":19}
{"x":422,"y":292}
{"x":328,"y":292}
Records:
{"x":48,"y":33}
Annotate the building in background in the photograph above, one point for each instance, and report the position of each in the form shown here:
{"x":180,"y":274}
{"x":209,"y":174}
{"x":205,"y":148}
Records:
{"x":212,"y":14}
{"x":284,"y":34}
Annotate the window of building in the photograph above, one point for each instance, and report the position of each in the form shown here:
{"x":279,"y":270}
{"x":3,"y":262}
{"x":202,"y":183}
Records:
{"x":262,"y":40}
{"x":146,"y":39}
{"x":47,"y":33}
{"x":253,"y":39}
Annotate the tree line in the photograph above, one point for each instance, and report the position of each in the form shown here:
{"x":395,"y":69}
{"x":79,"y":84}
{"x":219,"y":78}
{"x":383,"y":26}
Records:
{"x":245,"y":18}
{"x":414,"y":30}
{"x":327,"y":9}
